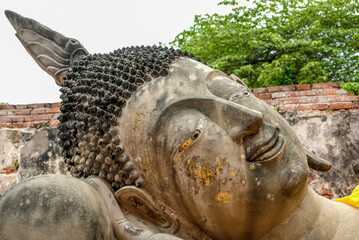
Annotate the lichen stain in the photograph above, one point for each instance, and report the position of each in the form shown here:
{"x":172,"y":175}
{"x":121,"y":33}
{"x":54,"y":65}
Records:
{"x":202,"y":172}
{"x":186,"y":143}
{"x":270,"y":196}
{"x":254,"y":166}
{"x":234,"y":173}
{"x":220,"y":166}
{"x":137,"y":124}
{"x":224,"y":197}
{"x":184,"y":129}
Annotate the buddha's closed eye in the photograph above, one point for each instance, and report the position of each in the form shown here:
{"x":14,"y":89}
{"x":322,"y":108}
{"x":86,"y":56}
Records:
{"x":238,"y":95}
{"x":193,"y":138}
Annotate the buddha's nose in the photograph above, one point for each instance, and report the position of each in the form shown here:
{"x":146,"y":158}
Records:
{"x":238,"y":120}
{"x":245,"y":121}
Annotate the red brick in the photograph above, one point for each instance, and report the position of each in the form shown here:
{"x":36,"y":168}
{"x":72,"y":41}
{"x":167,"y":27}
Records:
{"x":329,"y":92}
{"x":343,"y":105}
{"x":340,"y":98}
{"x":288,"y":101}
{"x":306,"y":99}
{"x":39,"y":105}
{"x":350,"y":94}
{"x":17,"y":125}
{"x":349,"y":98}
{"x":38,"y":118}
{"x":279,"y":95}
{"x":325,"y":85}
{"x":10,"y":119}
{"x":5,"y":125}
{"x":21,"y":111}
{"x":29,"y":124}
{"x":318,"y":99}
{"x":288,"y":107}
{"x":38,"y":110}
{"x":320,"y":106}
{"x":288,"y":88}
{"x":54,"y":105}
{"x":334,"y":92}
{"x":8,"y":170}
{"x":21,"y":106}
{"x":341,"y":92}
{"x":304,"y":107}
{"x":292,"y":94}
{"x":16,"y":119}
{"x":323,"y":112}
{"x":54,"y":123}
{"x":259,"y":90}
{"x":264,"y":96}
{"x":53,"y":110}
{"x":336,"y":85}
{"x":271,"y":102}
{"x":302,"y":87}
{"x":6,"y":106}
{"x":303,"y":93}
{"x":274,"y":89}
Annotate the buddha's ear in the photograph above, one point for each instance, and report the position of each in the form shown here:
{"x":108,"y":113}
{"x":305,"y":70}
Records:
{"x":52,"y":51}
{"x":317,"y":163}
{"x":140,"y":203}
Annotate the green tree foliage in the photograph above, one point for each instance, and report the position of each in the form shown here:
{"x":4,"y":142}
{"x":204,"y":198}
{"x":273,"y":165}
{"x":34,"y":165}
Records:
{"x":280,"y":42}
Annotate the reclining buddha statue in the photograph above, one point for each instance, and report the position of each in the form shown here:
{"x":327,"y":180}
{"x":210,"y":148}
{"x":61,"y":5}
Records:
{"x":162,"y":146}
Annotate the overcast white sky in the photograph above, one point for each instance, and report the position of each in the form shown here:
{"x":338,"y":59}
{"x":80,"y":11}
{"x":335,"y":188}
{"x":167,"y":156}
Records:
{"x":101,"y":26}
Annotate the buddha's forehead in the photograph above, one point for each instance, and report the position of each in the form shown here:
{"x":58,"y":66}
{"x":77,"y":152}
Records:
{"x":186,"y":79}
{"x":189,"y":69}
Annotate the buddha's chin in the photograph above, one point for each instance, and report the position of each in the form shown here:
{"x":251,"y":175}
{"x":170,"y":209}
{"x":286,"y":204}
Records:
{"x":296,"y":180}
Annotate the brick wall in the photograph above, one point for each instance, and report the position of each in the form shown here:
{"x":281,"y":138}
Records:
{"x":306,"y":99}
{"x":313,"y":99}
{"x":29,"y":115}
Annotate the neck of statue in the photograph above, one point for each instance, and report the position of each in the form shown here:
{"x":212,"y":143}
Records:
{"x":315,"y":218}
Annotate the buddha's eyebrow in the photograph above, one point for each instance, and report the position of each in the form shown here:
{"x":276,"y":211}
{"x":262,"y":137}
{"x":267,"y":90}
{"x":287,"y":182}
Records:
{"x":213,"y":74}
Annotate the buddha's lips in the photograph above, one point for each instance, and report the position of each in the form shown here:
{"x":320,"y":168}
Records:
{"x":268,"y":149}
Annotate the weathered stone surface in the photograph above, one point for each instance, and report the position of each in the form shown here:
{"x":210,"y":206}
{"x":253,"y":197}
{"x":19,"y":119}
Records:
{"x":27,"y":152}
{"x":336,"y":139}
{"x":9,"y":146}
{"x":6,"y":182}
{"x":53,"y":207}
{"x":40,"y":154}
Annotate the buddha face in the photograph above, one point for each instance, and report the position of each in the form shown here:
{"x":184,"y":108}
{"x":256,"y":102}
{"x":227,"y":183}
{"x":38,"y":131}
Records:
{"x":214,"y":153}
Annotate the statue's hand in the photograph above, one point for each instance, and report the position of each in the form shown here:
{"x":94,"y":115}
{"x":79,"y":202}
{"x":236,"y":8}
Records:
{"x":123,"y":228}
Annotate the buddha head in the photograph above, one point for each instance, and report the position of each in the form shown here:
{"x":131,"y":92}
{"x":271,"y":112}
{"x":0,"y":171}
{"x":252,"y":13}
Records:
{"x":177,"y":139}
{"x":196,"y":140}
